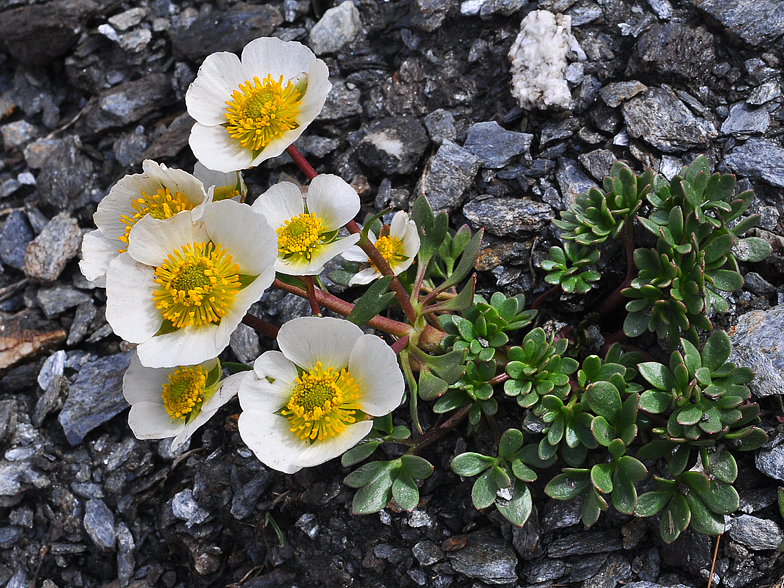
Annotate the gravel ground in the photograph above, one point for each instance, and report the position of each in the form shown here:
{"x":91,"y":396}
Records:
{"x":421,"y":102}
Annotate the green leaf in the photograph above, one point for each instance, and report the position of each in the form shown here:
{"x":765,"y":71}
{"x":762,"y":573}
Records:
{"x":519,"y":508}
{"x":675,"y":518}
{"x":522,"y":471}
{"x":603,"y":431}
{"x":235,"y":367}
{"x":374,"y":495}
{"x":451,"y":400}
{"x":568,"y":485}
{"x":430,"y":386}
{"x":704,"y":521}
{"x":650,"y":503}
{"x":604,"y":399}
{"x":718,"y":247}
{"x":416,"y":467}
{"x":658,"y":375}
{"x":511,"y":442}
{"x":602,"y":477}
{"x":656,"y":401}
{"x":405,"y":492}
{"x":726,"y":280}
{"x":484,"y":491}
{"x":720,"y":498}
{"x":636,"y":323}
{"x":460,"y":302}
{"x":752,"y":249}
{"x":466,"y":262}
{"x":358,"y":453}
{"x":372,"y":302}
{"x":592,"y":507}
{"x":624,"y":495}
{"x":722,"y":464}
{"x":632,"y":468}
{"x":751,"y":441}
{"x":448,"y":366}
{"x":471,"y":464}
{"x":716,"y":351}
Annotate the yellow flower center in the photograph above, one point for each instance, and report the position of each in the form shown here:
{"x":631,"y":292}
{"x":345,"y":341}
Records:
{"x":390,"y":249}
{"x":224,"y":193}
{"x":184,"y":392}
{"x":261,"y":111}
{"x":161,"y":205}
{"x":300,"y":235}
{"x":324,"y":401}
{"x":198,"y":284}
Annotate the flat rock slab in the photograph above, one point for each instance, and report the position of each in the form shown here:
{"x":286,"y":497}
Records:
{"x":449,"y":174}
{"x":495,"y":146}
{"x":758,"y":343}
{"x":757,"y":22}
{"x":95,"y":397}
{"x":25,"y":334}
{"x":485,"y":558}
{"x":759,"y":159}
{"x":509,"y":216}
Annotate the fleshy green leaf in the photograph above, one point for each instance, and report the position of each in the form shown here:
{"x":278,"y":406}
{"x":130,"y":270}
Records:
{"x":372,"y":302}
{"x":416,"y":467}
{"x":518,"y":509}
{"x":359,"y":453}
{"x":471,"y":464}
{"x":405,"y":492}
{"x":650,"y":503}
{"x":568,"y":485}
{"x":484,"y":490}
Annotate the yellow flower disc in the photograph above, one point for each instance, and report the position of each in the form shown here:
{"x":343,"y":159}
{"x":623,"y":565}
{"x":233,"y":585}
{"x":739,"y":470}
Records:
{"x":261,"y":111}
{"x":390,"y":249}
{"x":224,"y":193}
{"x":300,"y":235}
{"x":161,"y":205}
{"x":198,"y":284}
{"x":324,"y":401}
{"x":184,"y":391}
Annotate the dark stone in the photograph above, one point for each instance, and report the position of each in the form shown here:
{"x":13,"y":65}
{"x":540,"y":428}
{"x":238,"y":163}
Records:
{"x":744,"y":120}
{"x":526,"y":539}
{"x":125,"y":104}
{"x":598,"y":162}
{"x":14,"y":238}
{"x":755,"y":533}
{"x":429,"y":14}
{"x":342,"y":101}
{"x":245,"y":499}
{"x":545,"y":569}
{"x":38,"y":34}
{"x":616,"y":93}
{"x":67,"y":179}
{"x":585,"y":543}
{"x":662,"y":120}
{"x":58,"y":298}
{"x":674,"y":51}
{"x":99,"y":524}
{"x":495,"y":146}
{"x":225,"y":30}
{"x":394,"y":145}
{"x":449,"y":174}
{"x":485,"y":558}
{"x":173,"y":140}
{"x":427,"y":553}
{"x":615,"y":570}
{"x":572,"y":181}
{"x":95,"y":396}
{"x":759,"y":159}
{"x":690,"y":552}
{"x":559,"y":514}
{"x":757,"y":22}
{"x":440,"y":126}
{"x":554,"y":131}
{"x":509,"y":216}
{"x":48,"y":254}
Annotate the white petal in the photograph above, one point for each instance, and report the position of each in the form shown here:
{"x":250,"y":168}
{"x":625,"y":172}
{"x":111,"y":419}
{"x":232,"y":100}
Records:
{"x":244,"y":233}
{"x":410,"y":241}
{"x":129,"y":307}
{"x":272,"y":56}
{"x":397,"y":228}
{"x":143,"y":384}
{"x":331,"y":447}
{"x":374,"y":367}
{"x":232,"y":180}
{"x":228,"y":390}
{"x":216,"y":150}
{"x":364,"y":276}
{"x":152,"y":240}
{"x":316,"y":94}
{"x":332,"y":200}
{"x":219,"y":75}
{"x":149,"y":420}
{"x":271,"y":384}
{"x":308,"y":340}
{"x":97,"y":252}
{"x":293,"y":267}
{"x":186,"y":346}
{"x":268,"y":436}
{"x":355,"y":253}
{"x":280,"y":203}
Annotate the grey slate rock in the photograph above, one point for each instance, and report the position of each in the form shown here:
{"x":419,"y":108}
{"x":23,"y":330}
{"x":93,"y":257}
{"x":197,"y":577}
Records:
{"x":615,"y":570}
{"x":449,"y":174}
{"x":427,"y":553}
{"x":553,"y":131}
{"x":583,"y":568}
{"x":527,"y":539}
{"x":758,"y":159}
{"x":19,"y":133}
{"x":393,"y":145}
{"x":244,"y":501}
{"x":662,"y":120}
{"x":690,"y":552}
{"x":662,"y":8}
{"x":95,"y":396}
{"x":59,"y":298}
{"x":244,"y":342}
{"x":440,"y":125}
{"x":99,"y":524}
{"x":85,"y":314}
{"x":495,"y":146}
{"x":125,"y":559}
{"x":337,"y":27}
{"x":47,"y":255}
{"x":225,"y":30}
{"x":674,"y":50}
{"x":585,"y":543}
{"x":744,"y":120}
{"x":509,"y":216}
{"x":598,"y":162}
{"x":758,"y":342}
{"x":14,"y":238}
{"x":428,"y":15}
{"x":765,"y":93}
{"x":342,"y":101}
{"x":485,"y":558}
{"x":572,"y":181}
{"x":618,"y":92}
{"x":757,"y":22}
{"x":560,"y":514}
{"x":756,"y":533}
{"x":67,"y":179}
{"x":545,"y":569}
{"x":770,"y":459}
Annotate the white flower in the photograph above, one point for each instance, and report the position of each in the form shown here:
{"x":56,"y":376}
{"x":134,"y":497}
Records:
{"x":174,"y":402}
{"x":158,"y":191}
{"x":225,"y":186}
{"x":184,"y":285}
{"x":399,"y":248}
{"x":250,"y":109}
{"x":307,"y":230}
{"x":307,"y":403}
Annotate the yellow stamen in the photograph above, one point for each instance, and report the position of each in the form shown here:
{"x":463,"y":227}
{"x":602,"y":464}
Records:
{"x":161,"y":205}
{"x":198,"y":283}
{"x":184,"y":392}
{"x":324,"y":401}
{"x":300,"y":235}
{"x":390,"y":249}
{"x":224,"y":193}
{"x":261,"y":111}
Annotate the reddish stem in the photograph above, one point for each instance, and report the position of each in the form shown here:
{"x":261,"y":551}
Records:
{"x":435,"y":434}
{"x":301,"y":162}
{"x":400,"y":344}
{"x":544,"y":296}
{"x":314,"y":307}
{"x":261,"y":326}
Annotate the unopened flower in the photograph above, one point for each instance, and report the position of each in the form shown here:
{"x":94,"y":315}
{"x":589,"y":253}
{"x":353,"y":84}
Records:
{"x":224,"y":186}
{"x":307,"y":229}
{"x":174,"y":402}
{"x":250,"y":109}
{"x":310,"y":401}
{"x":398,"y":247}
{"x":158,"y":191}
{"x":184,"y":285}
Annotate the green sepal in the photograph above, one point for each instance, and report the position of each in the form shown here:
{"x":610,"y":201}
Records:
{"x":372,"y":302}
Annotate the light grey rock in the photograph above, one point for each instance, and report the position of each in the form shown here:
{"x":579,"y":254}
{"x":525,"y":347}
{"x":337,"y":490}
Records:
{"x":18,"y":134}
{"x":127,"y":19}
{"x":440,"y":125}
{"x":758,"y":343}
{"x":759,"y":159}
{"x":83,"y":319}
{"x":338,"y":27}
{"x":129,"y":148}
{"x":429,"y":14}
{"x":765,"y":93}
{"x":756,"y":533}
{"x":419,"y":519}
{"x":485,"y":558}
{"x":757,"y":22}
{"x":598,"y":162}
{"x":125,"y":560}
{"x":662,"y":120}
{"x":245,"y":498}
{"x":582,"y":15}
{"x":48,"y":254}
{"x":545,"y":569}
{"x":572,"y":181}
{"x":585,"y":543}
{"x":662,"y":8}
{"x":99,"y":524}
{"x":745,"y":120}
{"x":495,"y":146}
{"x":492,"y":8}
{"x":185,"y":507}
{"x":427,"y":553}
{"x":556,"y":130}
{"x":674,"y":50}
{"x":509,"y":216}
{"x":308,"y":524}
{"x":9,"y":187}
{"x":14,"y":238}
{"x":244,"y":342}
{"x":67,"y":179}
{"x":53,"y":366}
{"x":343,"y":100}
{"x":449,"y":174}
{"x":618,"y":92}
{"x":57,"y":299}
{"x":95,"y":396}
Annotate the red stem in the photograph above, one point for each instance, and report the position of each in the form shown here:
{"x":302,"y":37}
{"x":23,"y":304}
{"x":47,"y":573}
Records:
{"x":435,"y":434}
{"x":400,"y":344}
{"x":314,"y":307}
{"x":300,"y":160}
{"x":261,"y":326}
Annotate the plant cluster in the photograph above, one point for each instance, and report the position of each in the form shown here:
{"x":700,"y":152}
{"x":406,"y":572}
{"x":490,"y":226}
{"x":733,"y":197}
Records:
{"x":183,"y":257}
